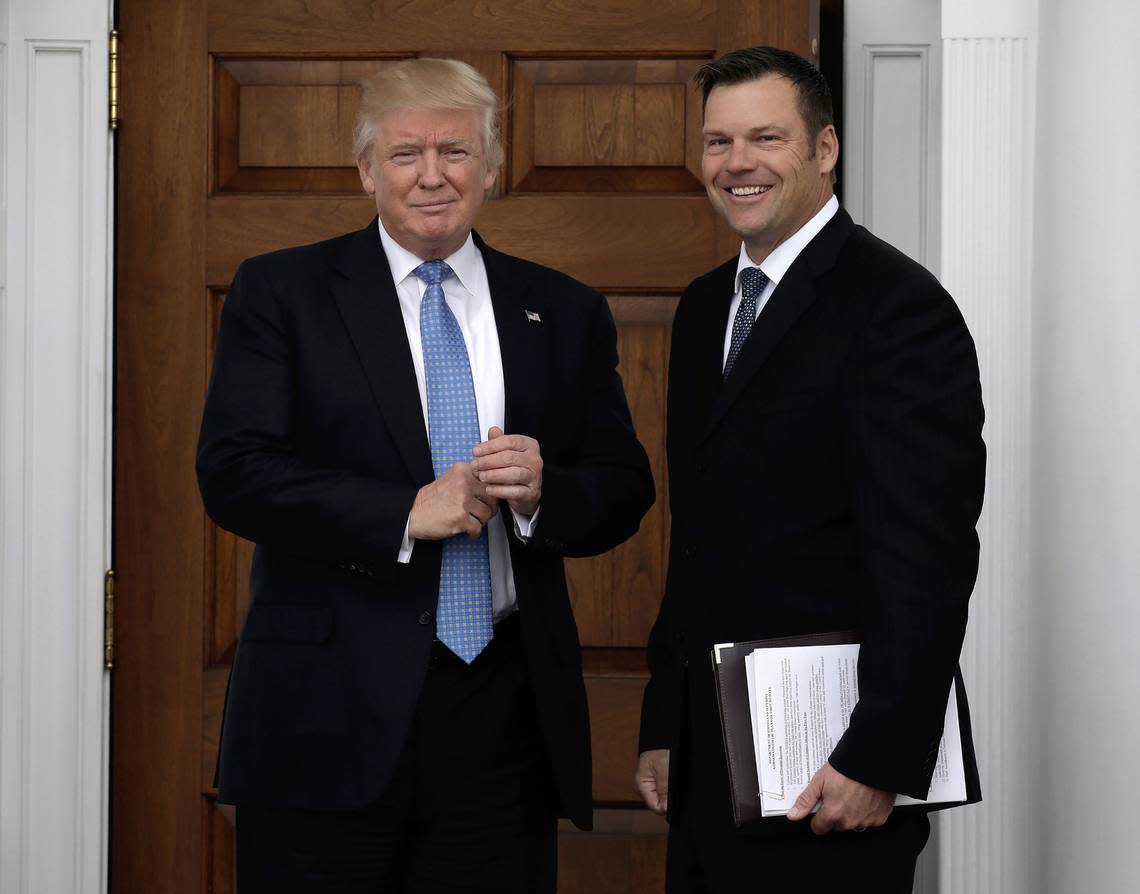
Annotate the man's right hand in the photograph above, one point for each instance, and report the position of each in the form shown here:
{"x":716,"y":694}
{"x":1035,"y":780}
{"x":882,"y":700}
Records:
{"x":652,"y":779}
{"x":455,"y":503}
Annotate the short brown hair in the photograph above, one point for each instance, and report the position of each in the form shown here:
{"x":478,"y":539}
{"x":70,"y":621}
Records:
{"x":753,"y":63}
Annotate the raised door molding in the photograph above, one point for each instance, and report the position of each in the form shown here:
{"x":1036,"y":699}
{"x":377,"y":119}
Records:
{"x":891,"y":145}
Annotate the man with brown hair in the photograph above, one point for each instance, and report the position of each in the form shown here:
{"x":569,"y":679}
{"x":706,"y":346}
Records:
{"x":826,"y":474}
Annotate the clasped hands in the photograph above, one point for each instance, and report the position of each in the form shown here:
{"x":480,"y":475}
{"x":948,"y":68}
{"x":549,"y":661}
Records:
{"x":465,"y":497}
{"x":845,"y":805}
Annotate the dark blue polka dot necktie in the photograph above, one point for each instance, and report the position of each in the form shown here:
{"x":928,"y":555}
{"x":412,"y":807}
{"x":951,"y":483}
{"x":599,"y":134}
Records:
{"x":752,"y":283}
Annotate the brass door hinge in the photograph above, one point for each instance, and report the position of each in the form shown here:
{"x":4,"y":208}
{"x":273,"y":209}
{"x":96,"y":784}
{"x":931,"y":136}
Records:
{"x":114,"y":79}
{"x":109,"y":619}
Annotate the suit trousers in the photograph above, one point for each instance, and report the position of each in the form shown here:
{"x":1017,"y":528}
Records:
{"x":703,"y":860}
{"x":471,"y":807}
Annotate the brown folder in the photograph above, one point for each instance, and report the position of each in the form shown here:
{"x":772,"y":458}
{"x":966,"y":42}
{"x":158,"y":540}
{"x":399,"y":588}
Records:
{"x":736,"y":716}
{"x":736,"y":723}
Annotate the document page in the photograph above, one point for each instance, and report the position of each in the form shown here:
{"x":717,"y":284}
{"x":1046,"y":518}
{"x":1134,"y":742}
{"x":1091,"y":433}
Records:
{"x":801,"y":700}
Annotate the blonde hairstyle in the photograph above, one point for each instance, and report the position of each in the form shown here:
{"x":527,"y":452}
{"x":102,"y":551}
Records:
{"x":428,"y":84}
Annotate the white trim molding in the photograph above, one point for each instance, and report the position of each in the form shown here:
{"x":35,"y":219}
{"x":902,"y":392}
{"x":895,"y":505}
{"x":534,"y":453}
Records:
{"x":891,"y":170}
{"x":55,"y":428}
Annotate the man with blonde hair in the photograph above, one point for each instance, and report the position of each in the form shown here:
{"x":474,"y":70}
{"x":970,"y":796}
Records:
{"x":414,"y":429}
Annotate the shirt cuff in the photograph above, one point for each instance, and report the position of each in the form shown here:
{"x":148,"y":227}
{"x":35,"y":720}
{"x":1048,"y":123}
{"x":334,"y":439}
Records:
{"x":405,"y":555}
{"x":524,"y":524}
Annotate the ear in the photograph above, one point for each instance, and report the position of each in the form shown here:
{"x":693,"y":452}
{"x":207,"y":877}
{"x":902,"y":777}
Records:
{"x":827,"y":149}
{"x":364,"y":168}
{"x":489,"y":178}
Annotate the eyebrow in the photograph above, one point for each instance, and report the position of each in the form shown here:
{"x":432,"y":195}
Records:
{"x":419,"y":144}
{"x":752,"y":131}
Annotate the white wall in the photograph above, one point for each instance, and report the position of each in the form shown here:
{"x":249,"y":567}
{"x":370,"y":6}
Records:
{"x":54,"y":445}
{"x":1086,"y":449}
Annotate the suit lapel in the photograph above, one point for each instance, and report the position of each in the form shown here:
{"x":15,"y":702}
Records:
{"x":791,"y":298}
{"x":362,"y":286}
{"x":707,"y":338}
{"x":522,"y":339}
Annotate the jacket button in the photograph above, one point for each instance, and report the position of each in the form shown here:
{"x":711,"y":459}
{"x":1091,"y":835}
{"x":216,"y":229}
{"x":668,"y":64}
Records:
{"x":690,"y":551}
{"x":425,"y":618}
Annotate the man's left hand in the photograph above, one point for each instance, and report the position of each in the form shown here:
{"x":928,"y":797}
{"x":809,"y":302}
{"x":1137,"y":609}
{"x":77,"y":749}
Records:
{"x":845,"y":805}
{"x":511,"y":467}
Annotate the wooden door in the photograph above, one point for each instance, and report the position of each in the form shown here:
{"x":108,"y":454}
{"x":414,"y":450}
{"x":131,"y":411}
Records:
{"x":236,"y":140}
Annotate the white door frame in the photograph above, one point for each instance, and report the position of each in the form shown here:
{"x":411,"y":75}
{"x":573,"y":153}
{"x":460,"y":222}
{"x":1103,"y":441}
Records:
{"x":55,"y":428}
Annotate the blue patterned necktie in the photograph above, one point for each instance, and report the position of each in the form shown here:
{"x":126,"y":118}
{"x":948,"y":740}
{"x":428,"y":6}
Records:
{"x":752,"y":283}
{"x":464,"y":613}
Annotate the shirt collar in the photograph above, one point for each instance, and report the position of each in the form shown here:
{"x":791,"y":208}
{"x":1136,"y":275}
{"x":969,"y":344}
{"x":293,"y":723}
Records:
{"x":782,"y":256}
{"x":464,"y":262}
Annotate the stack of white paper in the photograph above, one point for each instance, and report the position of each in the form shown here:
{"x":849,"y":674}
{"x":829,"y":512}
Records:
{"x":801,"y":699}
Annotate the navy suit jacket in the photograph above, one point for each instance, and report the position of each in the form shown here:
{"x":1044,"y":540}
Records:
{"x":313,"y":446}
{"x":832,"y":482}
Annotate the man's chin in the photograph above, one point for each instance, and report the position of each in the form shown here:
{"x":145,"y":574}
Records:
{"x":744,"y":225}
{"x":442,"y":241}
{"x":748,"y":229}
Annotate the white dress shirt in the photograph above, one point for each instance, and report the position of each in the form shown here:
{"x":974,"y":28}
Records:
{"x":776,"y":264}
{"x":468,"y":295}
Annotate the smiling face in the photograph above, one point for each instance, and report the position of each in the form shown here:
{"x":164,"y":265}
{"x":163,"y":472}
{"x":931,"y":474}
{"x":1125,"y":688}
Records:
{"x":427,"y":172}
{"x":760,"y":167}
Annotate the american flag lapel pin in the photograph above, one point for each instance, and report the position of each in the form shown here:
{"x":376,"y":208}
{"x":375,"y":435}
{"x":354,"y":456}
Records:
{"x":532,"y":317}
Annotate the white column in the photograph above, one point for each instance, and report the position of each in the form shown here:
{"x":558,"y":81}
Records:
{"x":988,"y":93}
{"x":54,"y":447}
{"x":1086,"y":445}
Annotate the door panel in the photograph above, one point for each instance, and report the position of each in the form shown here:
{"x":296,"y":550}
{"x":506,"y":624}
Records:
{"x":237,"y":140}
{"x":617,"y":244}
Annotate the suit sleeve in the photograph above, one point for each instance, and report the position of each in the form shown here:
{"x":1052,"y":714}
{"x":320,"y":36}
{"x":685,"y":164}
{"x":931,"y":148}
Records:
{"x":253,"y":482}
{"x":915,"y":460}
{"x":596,"y":499}
{"x":661,"y":703}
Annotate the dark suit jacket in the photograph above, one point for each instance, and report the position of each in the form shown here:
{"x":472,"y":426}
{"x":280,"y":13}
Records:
{"x":313,"y":445}
{"x":832,"y":482}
